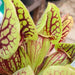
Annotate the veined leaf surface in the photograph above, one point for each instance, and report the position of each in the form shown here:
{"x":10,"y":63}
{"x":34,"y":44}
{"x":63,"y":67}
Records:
{"x":59,"y":70}
{"x":50,"y":26}
{"x":17,"y":61}
{"x":37,"y":50}
{"x":50,"y":49}
{"x":67,"y":23}
{"x":27,"y":26}
{"x":57,"y":58}
{"x":69,"y":49}
{"x":24,"y":71}
{"x":3,"y":72}
{"x":34,"y":48}
{"x":9,"y":31}
{"x":25,"y":60}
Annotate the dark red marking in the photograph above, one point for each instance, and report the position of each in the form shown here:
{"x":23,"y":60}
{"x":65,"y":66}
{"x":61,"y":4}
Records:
{"x":23,"y":72}
{"x":8,"y":61}
{"x":9,"y":33}
{"x":67,"y":26}
{"x":0,"y":45}
{"x":25,"y":34}
{"x":50,"y":60}
{"x":58,"y":58}
{"x":55,"y":22}
{"x":70,"y":47}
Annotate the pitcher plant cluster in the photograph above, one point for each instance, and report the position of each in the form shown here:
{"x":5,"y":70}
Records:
{"x":25,"y":47}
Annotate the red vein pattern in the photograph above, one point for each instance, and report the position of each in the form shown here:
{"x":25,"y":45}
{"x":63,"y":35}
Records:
{"x":67,"y":24}
{"x":53,"y":26}
{"x":9,"y":32}
{"x":27,"y":26}
{"x":34,"y":48}
{"x":50,"y":49}
{"x":24,"y":71}
{"x":3,"y":72}
{"x":14,"y":63}
{"x":69,"y":49}
{"x":59,"y":70}
{"x":58,"y":58}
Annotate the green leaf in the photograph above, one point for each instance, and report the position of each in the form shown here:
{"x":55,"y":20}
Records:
{"x":3,"y":72}
{"x":37,"y":50}
{"x":27,"y":26}
{"x":9,"y":31}
{"x":69,"y":49}
{"x":67,"y":23}
{"x":25,"y":60}
{"x":34,"y":48}
{"x":59,"y":70}
{"x":43,"y":52}
{"x":50,"y":24}
{"x":42,"y":22}
{"x":24,"y":71}
{"x":57,"y":58}
{"x":17,"y":61}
